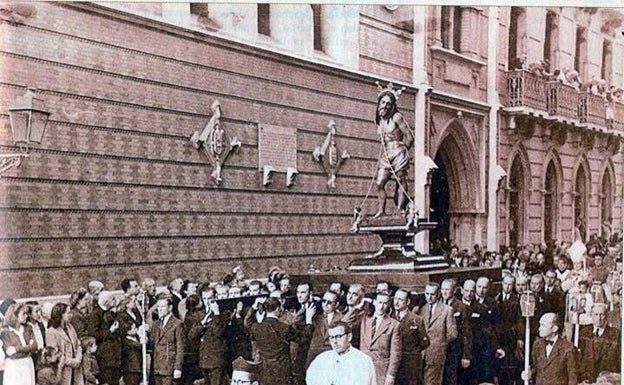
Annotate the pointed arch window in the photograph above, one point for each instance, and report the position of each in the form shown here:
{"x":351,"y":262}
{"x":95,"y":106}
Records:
{"x":517,"y":193}
{"x":580,"y":205}
{"x":551,"y":203}
{"x":606,"y":202}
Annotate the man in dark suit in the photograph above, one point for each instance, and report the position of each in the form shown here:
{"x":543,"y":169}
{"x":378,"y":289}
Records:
{"x":441,"y":329}
{"x":380,"y":338}
{"x":273,"y":338}
{"x":209,"y":328}
{"x":554,"y":297}
{"x":319,"y":341}
{"x":168,"y":344}
{"x":102,"y":324}
{"x":459,"y":350}
{"x":299,"y":349}
{"x":485,"y":346}
{"x":507,"y":326}
{"x":599,"y":345}
{"x":554,"y":357}
{"x":414,"y":340}
{"x":358,"y":307}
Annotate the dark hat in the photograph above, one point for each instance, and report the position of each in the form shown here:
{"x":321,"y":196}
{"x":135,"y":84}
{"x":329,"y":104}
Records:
{"x":4,"y":306}
{"x":242,"y":365}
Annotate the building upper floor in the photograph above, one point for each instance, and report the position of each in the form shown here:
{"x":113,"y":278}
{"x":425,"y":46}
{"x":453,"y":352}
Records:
{"x":563,"y":62}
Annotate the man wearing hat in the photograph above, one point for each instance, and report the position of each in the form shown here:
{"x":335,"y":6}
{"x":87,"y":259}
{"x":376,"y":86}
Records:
{"x":245,"y":372}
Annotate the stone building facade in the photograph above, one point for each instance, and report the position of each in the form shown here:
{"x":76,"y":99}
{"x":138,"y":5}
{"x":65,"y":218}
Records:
{"x":117,"y":189}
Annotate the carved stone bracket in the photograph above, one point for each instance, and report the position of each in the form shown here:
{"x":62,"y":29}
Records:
{"x":556,"y":132}
{"x":588,"y":140}
{"x":613,"y":144}
{"x":523,"y":126}
{"x":215,"y":142}
{"x":328,"y":155}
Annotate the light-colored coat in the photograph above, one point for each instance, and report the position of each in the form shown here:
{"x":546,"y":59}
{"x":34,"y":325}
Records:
{"x":441,"y":329}
{"x":68,"y":345}
{"x":385,"y":347}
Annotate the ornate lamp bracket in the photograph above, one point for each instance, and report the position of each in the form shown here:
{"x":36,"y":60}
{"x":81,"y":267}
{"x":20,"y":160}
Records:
{"x":329,"y":157}
{"x":215,"y":143}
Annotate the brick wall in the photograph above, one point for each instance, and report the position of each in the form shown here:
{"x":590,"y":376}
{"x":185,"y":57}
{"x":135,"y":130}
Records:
{"x":117,"y":189}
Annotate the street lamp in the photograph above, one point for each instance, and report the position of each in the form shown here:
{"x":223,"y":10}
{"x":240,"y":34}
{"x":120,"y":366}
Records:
{"x":527,"y":308}
{"x":28,"y":122}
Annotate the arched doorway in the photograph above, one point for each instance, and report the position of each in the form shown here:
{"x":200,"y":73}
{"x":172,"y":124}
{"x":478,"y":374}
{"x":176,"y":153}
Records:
{"x":439,"y":206}
{"x":580,"y":204}
{"x":455,"y":190}
{"x":551,"y":203}
{"x":517,"y":194}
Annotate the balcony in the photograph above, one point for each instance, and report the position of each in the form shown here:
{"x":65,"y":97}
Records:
{"x":525,"y":89}
{"x":562,"y":101}
{"x":530,"y":94}
{"x":617,"y":122}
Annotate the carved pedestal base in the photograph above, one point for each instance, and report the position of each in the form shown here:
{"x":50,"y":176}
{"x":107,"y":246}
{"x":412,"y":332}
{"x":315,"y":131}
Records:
{"x":397,"y":249}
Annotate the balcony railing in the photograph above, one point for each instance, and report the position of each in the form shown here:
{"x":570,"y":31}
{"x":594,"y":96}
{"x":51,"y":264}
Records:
{"x":525,"y":89}
{"x":617,"y":122}
{"x":563,"y":100}
{"x":555,"y":99}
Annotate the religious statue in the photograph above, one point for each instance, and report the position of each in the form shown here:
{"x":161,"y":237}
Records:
{"x":396,"y":139}
{"x":328,"y":155}
{"x":215,"y":142}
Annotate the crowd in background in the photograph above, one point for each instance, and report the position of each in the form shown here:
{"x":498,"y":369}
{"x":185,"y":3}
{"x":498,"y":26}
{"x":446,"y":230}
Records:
{"x":191,"y":332}
{"x":571,"y":78}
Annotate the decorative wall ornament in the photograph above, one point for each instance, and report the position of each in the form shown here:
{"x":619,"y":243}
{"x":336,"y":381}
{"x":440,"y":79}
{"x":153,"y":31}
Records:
{"x":291,"y":174}
{"x":215,"y":142}
{"x":267,"y":172}
{"x":327,"y":154}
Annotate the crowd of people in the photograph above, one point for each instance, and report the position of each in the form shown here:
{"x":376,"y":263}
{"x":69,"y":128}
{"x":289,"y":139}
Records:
{"x":571,"y":78}
{"x":469,"y":332}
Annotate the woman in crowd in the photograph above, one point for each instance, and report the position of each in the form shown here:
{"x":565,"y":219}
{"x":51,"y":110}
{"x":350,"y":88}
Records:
{"x":62,"y":336}
{"x":19,"y":345}
{"x":79,"y":302}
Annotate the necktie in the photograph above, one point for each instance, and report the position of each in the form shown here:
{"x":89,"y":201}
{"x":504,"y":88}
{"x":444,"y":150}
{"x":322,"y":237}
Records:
{"x":430,"y":312}
{"x":596,"y":332}
{"x":373,"y":329}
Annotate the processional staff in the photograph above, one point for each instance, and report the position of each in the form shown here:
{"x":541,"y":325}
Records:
{"x":527,"y":307}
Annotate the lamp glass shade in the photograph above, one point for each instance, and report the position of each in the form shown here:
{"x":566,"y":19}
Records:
{"x":527,"y":304}
{"x":19,"y":125}
{"x":38,"y":122}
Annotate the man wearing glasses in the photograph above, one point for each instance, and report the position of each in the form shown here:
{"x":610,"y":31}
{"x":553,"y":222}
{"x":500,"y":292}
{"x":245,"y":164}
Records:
{"x":344,"y":364}
{"x":320,"y":337}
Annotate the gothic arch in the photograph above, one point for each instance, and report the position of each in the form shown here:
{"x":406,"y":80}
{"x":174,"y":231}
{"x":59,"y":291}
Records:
{"x":607,"y":196}
{"x":455,"y":186}
{"x":582,"y":193}
{"x":518,"y":188}
{"x":552,"y":187}
{"x":460,"y":158}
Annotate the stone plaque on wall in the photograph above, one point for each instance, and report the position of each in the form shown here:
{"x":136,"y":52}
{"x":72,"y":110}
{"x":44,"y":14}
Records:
{"x":277,"y":147}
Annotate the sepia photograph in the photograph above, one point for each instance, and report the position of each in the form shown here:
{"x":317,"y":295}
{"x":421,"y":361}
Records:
{"x":291,"y":193}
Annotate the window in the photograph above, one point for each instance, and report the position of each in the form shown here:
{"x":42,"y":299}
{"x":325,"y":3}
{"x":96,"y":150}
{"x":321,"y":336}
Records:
{"x":517,"y":34}
{"x":607,"y":59}
{"x":516,"y":203}
{"x":317,"y":20}
{"x":580,"y":204}
{"x":580,"y":55}
{"x":450,"y":28}
{"x":264,"y":19}
{"x":551,"y":205}
{"x":551,"y":40}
